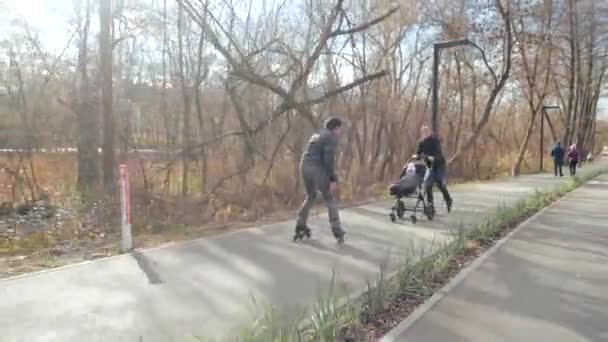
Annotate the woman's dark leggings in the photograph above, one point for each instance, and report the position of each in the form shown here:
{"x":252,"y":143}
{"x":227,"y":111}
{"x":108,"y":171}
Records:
{"x":573,"y":168}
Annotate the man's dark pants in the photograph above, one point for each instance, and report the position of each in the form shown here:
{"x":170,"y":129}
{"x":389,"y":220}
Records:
{"x":557,"y":167}
{"x":436,"y":175}
{"x":316,"y":179}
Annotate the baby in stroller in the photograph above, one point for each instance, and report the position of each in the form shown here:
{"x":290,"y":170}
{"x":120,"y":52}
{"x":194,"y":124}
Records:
{"x":410,"y":186}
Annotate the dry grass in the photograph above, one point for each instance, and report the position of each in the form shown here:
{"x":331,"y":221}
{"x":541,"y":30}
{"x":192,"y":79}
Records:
{"x":89,"y":226}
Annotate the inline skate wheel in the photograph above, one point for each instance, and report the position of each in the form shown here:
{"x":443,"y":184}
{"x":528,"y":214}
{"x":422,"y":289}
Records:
{"x":340,"y":241}
{"x":301,"y":233}
{"x":300,"y":236}
{"x":339,"y":237}
{"x":430,"y":214}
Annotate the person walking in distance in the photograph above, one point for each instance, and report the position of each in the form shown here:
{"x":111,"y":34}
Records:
{"x":318,"y":172}
{"x":574,"y":158}
{"x":430,"y":146}
{"x":557,"y":153}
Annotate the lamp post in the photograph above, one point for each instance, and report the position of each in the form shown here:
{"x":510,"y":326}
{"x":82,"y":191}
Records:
{"x":436,"y":48}
{"x":542,"y":133}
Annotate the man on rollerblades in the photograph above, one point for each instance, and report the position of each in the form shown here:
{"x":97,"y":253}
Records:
{"x":318,"y":172}
{"x":430,"y":146}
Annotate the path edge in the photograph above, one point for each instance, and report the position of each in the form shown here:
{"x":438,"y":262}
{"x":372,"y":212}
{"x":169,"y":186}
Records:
{"x":393,"y":334}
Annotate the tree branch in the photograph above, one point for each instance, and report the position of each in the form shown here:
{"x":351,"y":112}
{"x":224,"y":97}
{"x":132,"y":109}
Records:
{"x":241,"y":69}
{"x":312,"y":59}
{"x":485,"y":61}
{"x":345,"y":88}
{"x":365,"y":26}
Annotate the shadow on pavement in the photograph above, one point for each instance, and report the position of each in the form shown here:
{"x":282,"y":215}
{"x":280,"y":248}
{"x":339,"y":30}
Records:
{"x":146,"y":266}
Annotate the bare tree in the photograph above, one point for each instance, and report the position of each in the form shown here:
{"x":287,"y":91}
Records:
{"x":105,"y":51}
{"x":535,"y":69}
{"x":240,"y":61}
{"x":498,"y":82}
{"x":295,"y":96}
{"x":88,"y":158}
{"x":186,"y":90}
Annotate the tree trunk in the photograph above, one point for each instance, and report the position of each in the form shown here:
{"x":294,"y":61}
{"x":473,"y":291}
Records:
{"x":168,"y":136}
{"x":572,"y":75}
{"x":88,"y":158}
{"x":551,"y":127}
{"x":203,"y":156}
{"x":105,"y":50}
{"x":516,"y":171}
{"x":187,"y":101}
{"x":456,"y":140}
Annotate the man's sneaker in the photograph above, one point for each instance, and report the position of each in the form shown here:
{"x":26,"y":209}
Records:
{"x":449,"y":203}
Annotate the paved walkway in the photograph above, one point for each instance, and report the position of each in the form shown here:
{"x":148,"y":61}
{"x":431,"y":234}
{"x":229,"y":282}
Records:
{"x":549,"y":282}
{"x":204,"y":287}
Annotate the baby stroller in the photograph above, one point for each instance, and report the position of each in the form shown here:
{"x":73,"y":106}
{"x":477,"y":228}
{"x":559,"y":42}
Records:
{"x":410,"y":185}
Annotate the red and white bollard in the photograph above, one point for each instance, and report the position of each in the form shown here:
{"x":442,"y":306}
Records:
{"x":125,"y":205}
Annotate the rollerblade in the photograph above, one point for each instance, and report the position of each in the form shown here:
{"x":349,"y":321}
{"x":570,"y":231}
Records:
{"x":301,"y":233}
{"x":429,"y":211}
{"x":339,"y":235}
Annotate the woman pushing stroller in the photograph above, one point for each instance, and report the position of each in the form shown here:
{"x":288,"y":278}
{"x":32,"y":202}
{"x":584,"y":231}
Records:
{"x":425,"y":169}
{"x":430,"y":146}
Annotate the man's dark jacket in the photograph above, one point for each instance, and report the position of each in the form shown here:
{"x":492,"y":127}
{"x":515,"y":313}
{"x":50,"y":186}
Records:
{"x":557,"y":152}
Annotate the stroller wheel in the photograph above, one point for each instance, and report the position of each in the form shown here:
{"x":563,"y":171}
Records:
{"x":401,"y":205}
{"x":414,"y":219}
{"x":393,"y":217}
{"x":401,"y":210}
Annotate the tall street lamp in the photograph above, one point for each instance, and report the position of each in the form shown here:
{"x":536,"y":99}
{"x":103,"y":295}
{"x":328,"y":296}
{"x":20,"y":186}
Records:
{"x":436,"y":48}
{"x":542,"y":133}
